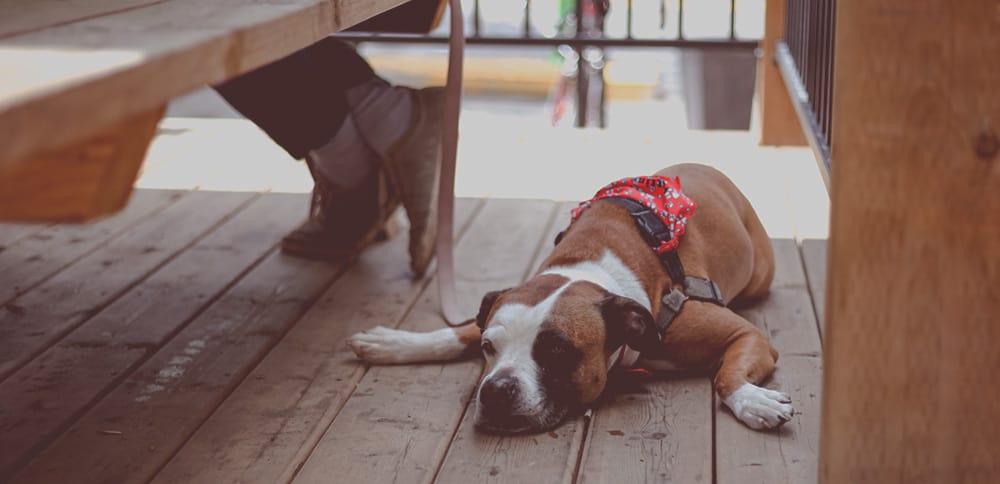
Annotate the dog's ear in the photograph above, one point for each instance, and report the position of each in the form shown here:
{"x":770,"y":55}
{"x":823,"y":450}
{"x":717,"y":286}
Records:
{"x":486,"y":306}
{"x":628,"y":323}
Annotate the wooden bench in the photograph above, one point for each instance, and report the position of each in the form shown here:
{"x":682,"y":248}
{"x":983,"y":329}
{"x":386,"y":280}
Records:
{"x":83,"y":84}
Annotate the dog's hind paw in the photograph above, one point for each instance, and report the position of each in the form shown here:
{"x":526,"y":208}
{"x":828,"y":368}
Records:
{"x":386,"y":346}
{"x":760,"y":408}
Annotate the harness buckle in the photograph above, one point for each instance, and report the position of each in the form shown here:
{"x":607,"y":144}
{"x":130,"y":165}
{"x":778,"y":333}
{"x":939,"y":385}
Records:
{"x":653,"y":229}
{"x":672,"y":302}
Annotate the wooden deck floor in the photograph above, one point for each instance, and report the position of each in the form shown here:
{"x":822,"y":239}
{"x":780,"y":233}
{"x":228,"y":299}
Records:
{"x":173,"y":343}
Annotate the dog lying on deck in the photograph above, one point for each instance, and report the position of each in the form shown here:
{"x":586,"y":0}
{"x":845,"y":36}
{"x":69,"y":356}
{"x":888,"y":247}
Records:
{"x":636,"y":250}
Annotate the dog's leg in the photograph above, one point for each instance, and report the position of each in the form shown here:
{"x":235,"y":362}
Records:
{"x":382,"y":346}
{"x":748,"y":360}
{"x":705,"y":333}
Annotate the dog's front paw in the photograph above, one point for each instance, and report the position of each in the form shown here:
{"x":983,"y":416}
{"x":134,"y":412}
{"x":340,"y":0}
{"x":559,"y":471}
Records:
{"x":378,"y":345}
{"x":760,"y":408}
{"x":386,"y":346}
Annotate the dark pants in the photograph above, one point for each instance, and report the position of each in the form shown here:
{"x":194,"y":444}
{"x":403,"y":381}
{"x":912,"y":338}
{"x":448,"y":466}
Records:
{"x":300,"y":101}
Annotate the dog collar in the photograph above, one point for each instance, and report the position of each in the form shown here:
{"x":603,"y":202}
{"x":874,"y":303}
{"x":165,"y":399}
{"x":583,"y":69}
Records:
{"x":661,"y":212}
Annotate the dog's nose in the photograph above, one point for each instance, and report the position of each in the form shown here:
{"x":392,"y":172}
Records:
{"x":499,"y":393}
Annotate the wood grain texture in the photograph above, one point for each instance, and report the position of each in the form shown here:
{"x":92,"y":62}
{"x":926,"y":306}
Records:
{"x":266,"y":429}
{"x":73,"y":374}
{"x":779,"y":124}
{"x":402,"y":418}
{"x":652,"y":431}
{"x":549,"y":457}
{"x":50,"y":249}
{"x":814,"y":261}
{"x":153,"y":412}
{"x":32,"y":322}
{"x":80,"y":181}
{"x":20,"y":17}
{"x":66,"y":83}
{"x":787,"y":454}
{"x":12,"y":233}
{"x":914,"y":275}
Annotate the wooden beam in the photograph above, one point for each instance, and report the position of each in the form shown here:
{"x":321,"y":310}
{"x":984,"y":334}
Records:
{"x":778,"y":122}
{"x":153,"y":53}
{"x":910,"y":386}
{"x":82,"y":181}
{"x":20,"y":17}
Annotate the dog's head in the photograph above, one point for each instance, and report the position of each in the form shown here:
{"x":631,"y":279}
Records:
{"x":547,"y":345}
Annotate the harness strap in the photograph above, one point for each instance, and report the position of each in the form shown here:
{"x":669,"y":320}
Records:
{"x":654,"y":231}
{"x":696,"y":288}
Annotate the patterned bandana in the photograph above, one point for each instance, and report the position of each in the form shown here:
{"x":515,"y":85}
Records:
{"x":661,"y":195}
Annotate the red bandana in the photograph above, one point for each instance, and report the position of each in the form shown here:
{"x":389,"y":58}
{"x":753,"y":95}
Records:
{"x":660,"y":194}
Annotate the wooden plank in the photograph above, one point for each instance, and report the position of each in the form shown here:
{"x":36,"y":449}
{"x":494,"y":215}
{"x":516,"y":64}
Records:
{"x":266,"y":429}
{"x":652,"y":431}
{"x":161,"y":404}
{"x":11,"y":233}
{"x":910,"y":392}
{"x":477,"y":457}
{"x":42,"y":316}
{"x":402,"y":418}
{"x":20,"y":17}
{"x":788,"y":454}
{"x":32,"y":261}
{"x":80,"y":181}
{"x":73,"y":374}
{"x":153,"y":53}
{"x":779,"y":124}
{"x":814,"y":260}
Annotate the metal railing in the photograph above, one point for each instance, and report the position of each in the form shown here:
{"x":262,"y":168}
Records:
{"x":587,"y":36}
{"x":805,"y":59}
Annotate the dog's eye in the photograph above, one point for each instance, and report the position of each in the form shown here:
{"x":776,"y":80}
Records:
{"x":488,"y":348}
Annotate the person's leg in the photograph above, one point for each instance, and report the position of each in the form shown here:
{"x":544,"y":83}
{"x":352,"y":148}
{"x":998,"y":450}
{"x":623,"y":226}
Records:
{"x":326,"y":104}
{"x":299,"y":101}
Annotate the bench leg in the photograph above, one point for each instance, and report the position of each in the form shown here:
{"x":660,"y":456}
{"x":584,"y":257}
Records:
{"x":80,"y":182}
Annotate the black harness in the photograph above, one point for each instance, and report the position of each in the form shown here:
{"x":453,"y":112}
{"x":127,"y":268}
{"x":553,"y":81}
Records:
{"x":655,"y":231}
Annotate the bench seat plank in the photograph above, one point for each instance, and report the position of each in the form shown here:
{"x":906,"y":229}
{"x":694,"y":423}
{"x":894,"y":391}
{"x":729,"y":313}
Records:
{"x":20,"y":17}
{"x":62,"y":85}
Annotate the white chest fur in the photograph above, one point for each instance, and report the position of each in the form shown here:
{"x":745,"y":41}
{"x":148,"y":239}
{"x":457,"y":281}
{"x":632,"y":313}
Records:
{"x":615,"y":277}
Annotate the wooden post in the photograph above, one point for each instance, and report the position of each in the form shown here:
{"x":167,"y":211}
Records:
{"x":778,"y":124}
{"x":912,"y":350}
{"x":80,"y":182}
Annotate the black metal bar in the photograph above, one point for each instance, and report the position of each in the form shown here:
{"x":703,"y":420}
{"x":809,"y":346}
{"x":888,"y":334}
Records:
{"x":628,"y":26}
{"x":527,"y":18}
{"x":581,"y":87}
{"x":723,"y":44}
{"x":475,"y":19}
{"x":663,"y":15}
{"x":680,"y":19}
{"x":732,"y":19}
{"x":823,"y":88}
{"x":831,"y":39}
{"x":800,"y":100}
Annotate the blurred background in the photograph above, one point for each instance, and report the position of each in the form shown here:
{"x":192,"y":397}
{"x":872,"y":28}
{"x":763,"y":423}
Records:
{"x":668,"y":81}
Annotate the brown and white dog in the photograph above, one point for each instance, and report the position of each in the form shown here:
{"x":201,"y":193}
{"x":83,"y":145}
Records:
{"x":549,"y":342}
